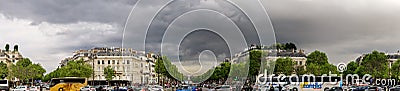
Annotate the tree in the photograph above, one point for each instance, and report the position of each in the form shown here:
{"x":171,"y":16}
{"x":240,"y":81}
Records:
{"x":109,"y":73}
{"x":290,"y":46}
{"x":313,"y":68}
{"x":395,"y":69}
{"x":7,"y":47}
{"x":374,"y":64}
{"x":351,"y":68}
{"x":16,"y":48}
{"x":284,"y":66}
{"x":77,"y":68}
{"x":328,"y":68}
{"x":317,"y":57}
{"x":25,"y":70}
{"x":255,"y":64}
{"x":299,"y":70}
{"x":24,"y":62}
{"x":317,"y":64}
{"x":3,"y":70}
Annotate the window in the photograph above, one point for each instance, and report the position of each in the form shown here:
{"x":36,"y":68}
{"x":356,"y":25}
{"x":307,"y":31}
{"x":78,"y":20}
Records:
{"x":102,"y":61}
{"x":301,"y":62}
{"x":117,"y":61}
{"x":98,"y":61}
{"x":108,"y":61}
{"x":113,"y":61}
{"x":127,"y":61}
{"x":123,"y":61}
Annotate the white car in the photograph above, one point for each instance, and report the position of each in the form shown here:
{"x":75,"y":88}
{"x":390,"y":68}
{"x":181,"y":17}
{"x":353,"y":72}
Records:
{"x":88,"y":88}
{"x":20,"y":88}
{"x":156,"y":88}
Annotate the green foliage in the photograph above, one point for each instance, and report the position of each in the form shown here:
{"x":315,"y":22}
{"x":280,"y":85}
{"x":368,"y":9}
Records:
{"x":109,"y":73}
{"x":284,"y":46}
{"x":351,"y":68}
{"x":395,"y":70}
{"x":76,"y":68}
{"x":7,"y":47}
{"x":25,"y":70}
{"x":299,"y":70}
{"x":24,"y":62}
{"x":3,"y":70}
{"x":284,"y":66}
{"x":290,"y":46}
{"x":38,"y":71}
{"x":317,"y":57}
{"x":164,"y":68}
{"x":313,"y":68}
{"x":317,"y":64}
{"x":255,"y":62}
{"x":374,"y":64}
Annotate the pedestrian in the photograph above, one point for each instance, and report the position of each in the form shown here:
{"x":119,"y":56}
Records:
{"x":271,"y":88}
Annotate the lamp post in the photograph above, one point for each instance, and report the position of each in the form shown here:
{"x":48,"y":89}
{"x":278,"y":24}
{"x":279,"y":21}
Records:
{"x":92,"y":57}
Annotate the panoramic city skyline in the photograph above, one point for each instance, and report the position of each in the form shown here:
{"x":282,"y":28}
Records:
{"x":49,"y":31}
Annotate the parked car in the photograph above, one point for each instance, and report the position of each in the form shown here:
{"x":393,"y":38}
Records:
{"x":361,"y":88}
{"x":395,"y":88}
{"x":156,"y":88}
{"x":374,"y":88}
{"x":335,"y":89}
{"x":20,"y":88}
{"x":33,"y":88}
{"x":184,"y":88}
{"x":88,"y":88}
{"x":223,"y":88}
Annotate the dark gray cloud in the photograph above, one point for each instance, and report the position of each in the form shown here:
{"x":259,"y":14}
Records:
{"x":70,"y":11}
{"x":341,"y":28}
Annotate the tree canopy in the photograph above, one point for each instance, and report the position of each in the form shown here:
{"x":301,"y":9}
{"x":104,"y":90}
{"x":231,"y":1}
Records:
{"x":317,"y":64}
{"x":395,"y":70}
{"x":3,"y":70}
{"x":284,"y":66}
{"x":351,"y":68}
{"x":317,"y":57}
{"x":77,"y":68}
{"x":109,"y":73}
{"x":375,"y":64}
{"x":25,"y":70}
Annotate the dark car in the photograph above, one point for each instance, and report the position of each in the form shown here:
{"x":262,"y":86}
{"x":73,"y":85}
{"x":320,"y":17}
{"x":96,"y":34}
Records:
{"x":374,"y":88}
{"x":395,"y":88}
{"x":361,"y":88}
{"x":335,"y":89}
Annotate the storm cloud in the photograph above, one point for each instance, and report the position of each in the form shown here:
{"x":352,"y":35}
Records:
{"x":49,"y":30}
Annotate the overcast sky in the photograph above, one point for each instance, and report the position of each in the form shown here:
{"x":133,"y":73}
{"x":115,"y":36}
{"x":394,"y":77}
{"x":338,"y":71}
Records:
{"x":50,"y":30}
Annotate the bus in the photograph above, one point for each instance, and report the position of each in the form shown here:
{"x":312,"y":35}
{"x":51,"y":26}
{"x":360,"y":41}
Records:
{"x":4,"y":85}
{"x":67,"y":83}
{"x":313,"y":83}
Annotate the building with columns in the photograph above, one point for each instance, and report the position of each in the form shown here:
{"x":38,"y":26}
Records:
{"x":131,"y":67}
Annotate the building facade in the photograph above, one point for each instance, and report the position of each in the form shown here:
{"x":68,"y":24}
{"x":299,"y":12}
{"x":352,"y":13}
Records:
{"x":131,"y":67}
{"x":10,"y":57}
{"x":298,"y":56}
